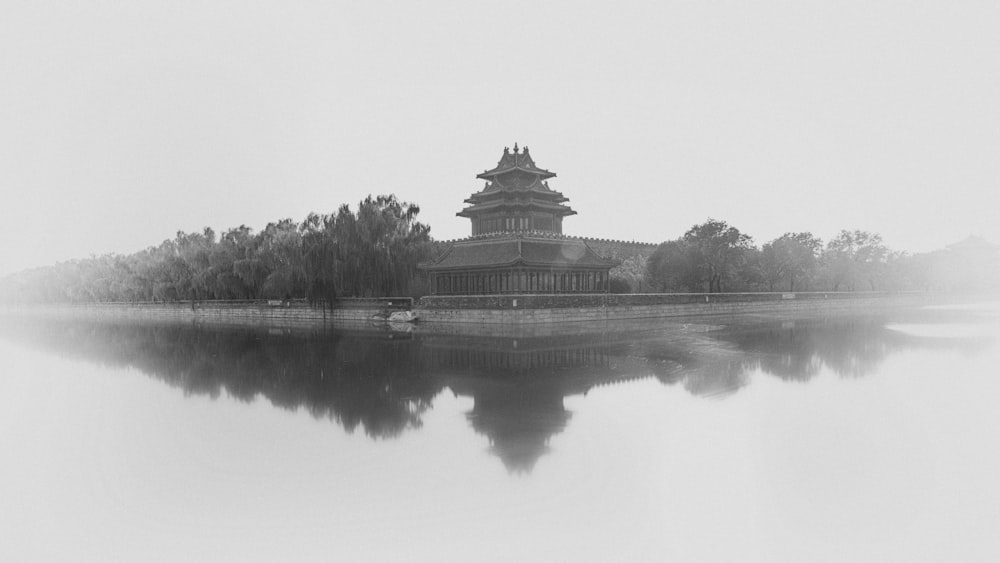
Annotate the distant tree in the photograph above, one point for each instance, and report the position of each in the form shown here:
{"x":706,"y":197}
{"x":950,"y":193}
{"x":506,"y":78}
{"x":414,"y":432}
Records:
{"x":854,"y":258}
{"x":279,"y":250}
{"x":671,"y":267}
{"x":717,"y":253}
{"x":790,"y":258}
{"x":618,"y":285}
{"x":234,"y":246}
{"x":379,"y":247}
{"x":631,"y":271}
{"x":320,"y":260}
{"x":750,"y":273}
{"x":194,"y":252}
{"x":374,"y":251}
{"x":971,"y":264}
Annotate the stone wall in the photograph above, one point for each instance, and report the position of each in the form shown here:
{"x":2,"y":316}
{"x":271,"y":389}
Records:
{"x":568,"y":300}
{"x":531,"y":309}
{"x":277,"y":313}
{"x":512,"y":310}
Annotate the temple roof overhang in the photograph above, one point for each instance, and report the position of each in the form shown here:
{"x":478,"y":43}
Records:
{"x":491,"y":174}
{"x":518,"y":250}
{"x":517,"y":194}
{"x":518,"y":160}
{"x":533,"y":183}
{"x":515,"y":206}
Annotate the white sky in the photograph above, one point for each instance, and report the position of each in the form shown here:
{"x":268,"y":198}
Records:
{"x":123,"y":122}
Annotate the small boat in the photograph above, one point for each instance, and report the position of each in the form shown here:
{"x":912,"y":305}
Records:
{"x":403,"y":317}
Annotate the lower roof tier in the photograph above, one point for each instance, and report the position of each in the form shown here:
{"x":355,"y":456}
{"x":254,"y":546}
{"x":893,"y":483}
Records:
{"x":518,"y":250}
{"x":513,"y":207}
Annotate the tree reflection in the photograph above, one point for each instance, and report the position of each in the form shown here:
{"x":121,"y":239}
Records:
{"x":365,"y":380}
{"x":848,"y":346}
{"x":383,"y":382}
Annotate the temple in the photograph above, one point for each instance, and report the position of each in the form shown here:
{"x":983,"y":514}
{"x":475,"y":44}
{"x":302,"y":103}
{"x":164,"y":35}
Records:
{"x":517,"y":245}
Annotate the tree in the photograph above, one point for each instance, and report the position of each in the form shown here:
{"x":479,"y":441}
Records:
{"x":632,"y":272}
{"x":854,"y":258}
{"x":372,"y":252}
{"x":320,"y":260}
{"x":671,"y":268}
{"x":279,"y":249}
{"x":717,"y":252}
{"x":789,"y":258}
{"x":381,"y":245}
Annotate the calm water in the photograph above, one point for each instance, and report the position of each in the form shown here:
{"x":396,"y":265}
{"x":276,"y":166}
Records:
{"x":866,"y":437}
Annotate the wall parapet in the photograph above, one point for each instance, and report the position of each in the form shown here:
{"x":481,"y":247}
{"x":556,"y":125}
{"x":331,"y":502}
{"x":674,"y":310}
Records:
{"x":525,"y":310}
{"x":563,"y":301}
{"x":343,"y":303}
{"x":510,"y":310}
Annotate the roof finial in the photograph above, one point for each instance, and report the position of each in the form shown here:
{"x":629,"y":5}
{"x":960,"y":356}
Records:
{"x":525,"y":149}
{"x":506,"y":150}
{"x":515,"y":148}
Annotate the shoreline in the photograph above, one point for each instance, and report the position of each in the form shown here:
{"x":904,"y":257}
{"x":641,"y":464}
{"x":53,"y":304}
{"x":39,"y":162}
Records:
{"x":499,"y":313}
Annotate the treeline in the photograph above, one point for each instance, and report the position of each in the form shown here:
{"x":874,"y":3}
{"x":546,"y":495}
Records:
{"x":374,"y":251}
{"x":717,"y":257}
{"x":368,"y":252}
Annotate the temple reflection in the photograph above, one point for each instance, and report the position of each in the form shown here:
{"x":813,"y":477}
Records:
{"x":518,"y":384}
{"x":382,"y":381}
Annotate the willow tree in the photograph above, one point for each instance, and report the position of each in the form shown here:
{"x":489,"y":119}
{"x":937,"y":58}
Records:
{"x":386,"y":243}
{"x":371,"y":252}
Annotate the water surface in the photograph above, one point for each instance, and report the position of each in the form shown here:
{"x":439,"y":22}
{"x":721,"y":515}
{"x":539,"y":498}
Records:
{"x":850,"y":437}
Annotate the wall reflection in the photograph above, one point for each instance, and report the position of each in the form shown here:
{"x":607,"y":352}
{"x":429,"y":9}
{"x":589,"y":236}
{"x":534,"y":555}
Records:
{"x":383,"y":381}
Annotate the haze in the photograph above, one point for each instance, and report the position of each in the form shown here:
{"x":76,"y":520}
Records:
{"x":122,"y":124}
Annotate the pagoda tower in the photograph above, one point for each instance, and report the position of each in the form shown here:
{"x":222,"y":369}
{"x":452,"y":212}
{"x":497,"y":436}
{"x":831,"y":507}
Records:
{"x":516,"y":197}
{"x":517,"y":245}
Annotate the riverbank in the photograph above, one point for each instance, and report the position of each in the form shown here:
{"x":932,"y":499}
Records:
{"x":503,"y":310}
{"x":564,"y":308}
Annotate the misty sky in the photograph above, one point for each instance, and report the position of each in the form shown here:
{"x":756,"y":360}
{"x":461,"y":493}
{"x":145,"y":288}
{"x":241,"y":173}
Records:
{"x":124,"y":122}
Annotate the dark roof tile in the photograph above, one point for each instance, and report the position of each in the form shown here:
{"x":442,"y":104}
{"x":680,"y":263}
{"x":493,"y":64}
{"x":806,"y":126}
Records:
{"x":512,"y":250}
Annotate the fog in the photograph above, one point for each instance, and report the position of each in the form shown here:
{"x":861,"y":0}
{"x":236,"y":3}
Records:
{"x":121,"y":124}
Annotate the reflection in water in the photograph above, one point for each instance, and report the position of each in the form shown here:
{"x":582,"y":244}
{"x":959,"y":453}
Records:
{"x":384,"y":381}
{"x":850,"y":347}
{"x":518,"y":421}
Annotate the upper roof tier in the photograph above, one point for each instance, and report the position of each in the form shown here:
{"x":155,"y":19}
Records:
{"x":514,"y":188}
{"x":518,"y":160}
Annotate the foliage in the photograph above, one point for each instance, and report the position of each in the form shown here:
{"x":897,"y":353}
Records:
{"x":789,"y":258}
{"x":374,"y":251}
{"x":618,"y":285}
{"x":670,"y":267}
{"x":631,"y":272}
{"x":854,"y":259}
{"x":717,"y":252}
{"x":713,"y":253}
{"x":371,"y":252}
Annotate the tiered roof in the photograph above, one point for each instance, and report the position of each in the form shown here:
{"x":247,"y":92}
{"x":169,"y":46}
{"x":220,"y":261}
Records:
{"x":516,"y":184}
{"x":517,"y":161}
{"x":519,"y":250}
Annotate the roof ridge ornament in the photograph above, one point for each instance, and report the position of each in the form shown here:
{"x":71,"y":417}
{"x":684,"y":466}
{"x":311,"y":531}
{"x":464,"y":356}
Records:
{"x":515,"y":147}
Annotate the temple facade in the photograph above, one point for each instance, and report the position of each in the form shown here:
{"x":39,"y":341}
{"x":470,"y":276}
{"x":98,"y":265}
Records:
{"x":517,"y":244}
